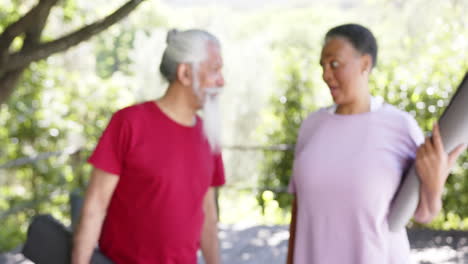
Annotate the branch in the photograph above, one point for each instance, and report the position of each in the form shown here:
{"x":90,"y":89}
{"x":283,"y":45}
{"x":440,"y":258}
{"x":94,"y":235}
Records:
{"x":15,"y":29}
{"x":44,"y":50}
{"x":34,"y":32}
{"x":36,"y":158}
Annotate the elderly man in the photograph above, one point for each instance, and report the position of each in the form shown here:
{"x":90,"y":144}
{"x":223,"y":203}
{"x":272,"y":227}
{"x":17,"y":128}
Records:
{"x":151,"y":194}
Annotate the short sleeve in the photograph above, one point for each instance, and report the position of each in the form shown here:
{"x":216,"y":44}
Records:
{"x":305,"y":132}
{"x":297,"y":149}
{"x":416,"y":135}
{"x":109,"y":154}
{"x":292,"y":184}
{"x":218,"y":176}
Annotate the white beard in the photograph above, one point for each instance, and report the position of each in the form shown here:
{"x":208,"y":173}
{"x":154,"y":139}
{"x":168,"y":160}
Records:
{"x":212,"y":118}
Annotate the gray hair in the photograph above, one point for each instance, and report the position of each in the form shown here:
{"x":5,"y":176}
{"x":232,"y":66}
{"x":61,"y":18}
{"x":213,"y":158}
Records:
{"x":188,"y":46}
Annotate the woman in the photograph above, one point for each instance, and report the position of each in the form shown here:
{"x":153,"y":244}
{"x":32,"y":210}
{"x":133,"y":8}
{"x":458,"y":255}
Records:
{"x":349,"y":162}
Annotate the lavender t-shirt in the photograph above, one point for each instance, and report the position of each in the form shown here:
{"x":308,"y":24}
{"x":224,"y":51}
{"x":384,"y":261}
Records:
{"x":347,"y":169}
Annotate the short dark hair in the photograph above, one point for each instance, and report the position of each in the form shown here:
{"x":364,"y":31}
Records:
{"x":360,"y":37}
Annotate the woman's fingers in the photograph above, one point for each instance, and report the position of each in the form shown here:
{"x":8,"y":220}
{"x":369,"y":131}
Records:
{"x":429,"y":148}
{"x":436,"y":139}
{"x":454,"y":154}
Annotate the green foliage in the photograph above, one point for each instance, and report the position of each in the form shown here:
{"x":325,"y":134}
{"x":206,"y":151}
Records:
{"x":112,"y":50}
{"x":289,"y":108}
{"x":113,"y":46}
{"x":9,"y":12}
{"x":69,"y":9}
{"x":49,"y":111}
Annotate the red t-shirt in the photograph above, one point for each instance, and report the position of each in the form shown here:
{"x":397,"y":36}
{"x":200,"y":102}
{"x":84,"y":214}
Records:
{"x":165,"y":169}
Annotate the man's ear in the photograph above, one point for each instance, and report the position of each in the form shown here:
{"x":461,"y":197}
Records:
{"x":366,"y":64}
{"x":184,"y":74}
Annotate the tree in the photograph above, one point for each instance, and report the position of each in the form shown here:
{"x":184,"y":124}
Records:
{"x":29,"y":28}
{"x":48,"y":111}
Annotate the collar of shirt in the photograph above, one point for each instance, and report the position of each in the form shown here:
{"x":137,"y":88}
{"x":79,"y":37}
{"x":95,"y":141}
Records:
{"x":375,"y":104}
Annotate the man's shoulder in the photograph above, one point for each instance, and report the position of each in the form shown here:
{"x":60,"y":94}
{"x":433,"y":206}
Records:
{"x":129,"y":112}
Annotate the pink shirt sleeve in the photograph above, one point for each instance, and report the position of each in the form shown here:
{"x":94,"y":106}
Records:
{"x":417,"y":138}
{"x":291,"y":185}
{"x":416,"y":133}
{"x":302,"y":136}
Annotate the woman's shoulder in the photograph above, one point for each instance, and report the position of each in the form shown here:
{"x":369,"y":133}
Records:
{"x":314,"y":116}
{"x":311,"y":121}
{"x":406,"y":121}
{"x":396,"y":113}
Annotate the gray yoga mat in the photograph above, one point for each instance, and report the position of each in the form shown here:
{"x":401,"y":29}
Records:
{"x":453,"y":126}
{"x":50,"y":242}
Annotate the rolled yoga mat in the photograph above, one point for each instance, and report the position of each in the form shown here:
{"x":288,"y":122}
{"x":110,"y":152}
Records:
{"x":453,"y":126}
{"x":50,"y":242}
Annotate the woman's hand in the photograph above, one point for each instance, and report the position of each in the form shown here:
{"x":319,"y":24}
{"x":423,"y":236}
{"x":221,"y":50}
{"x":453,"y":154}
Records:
{"x":433,"y":165}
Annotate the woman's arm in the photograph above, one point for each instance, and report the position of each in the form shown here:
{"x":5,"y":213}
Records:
{"x":292,"y":232}
{"x":433,"y":165}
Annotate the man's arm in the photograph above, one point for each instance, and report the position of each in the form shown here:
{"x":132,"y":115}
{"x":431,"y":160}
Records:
{"x":98,"y":195}
{"x":292,"y":233}
{"x":209,"y":238}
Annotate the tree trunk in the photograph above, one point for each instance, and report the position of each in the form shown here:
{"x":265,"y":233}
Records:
{"x":8,"y":82}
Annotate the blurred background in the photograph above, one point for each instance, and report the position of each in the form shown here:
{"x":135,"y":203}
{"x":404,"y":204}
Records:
{"x":53,"y":110}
